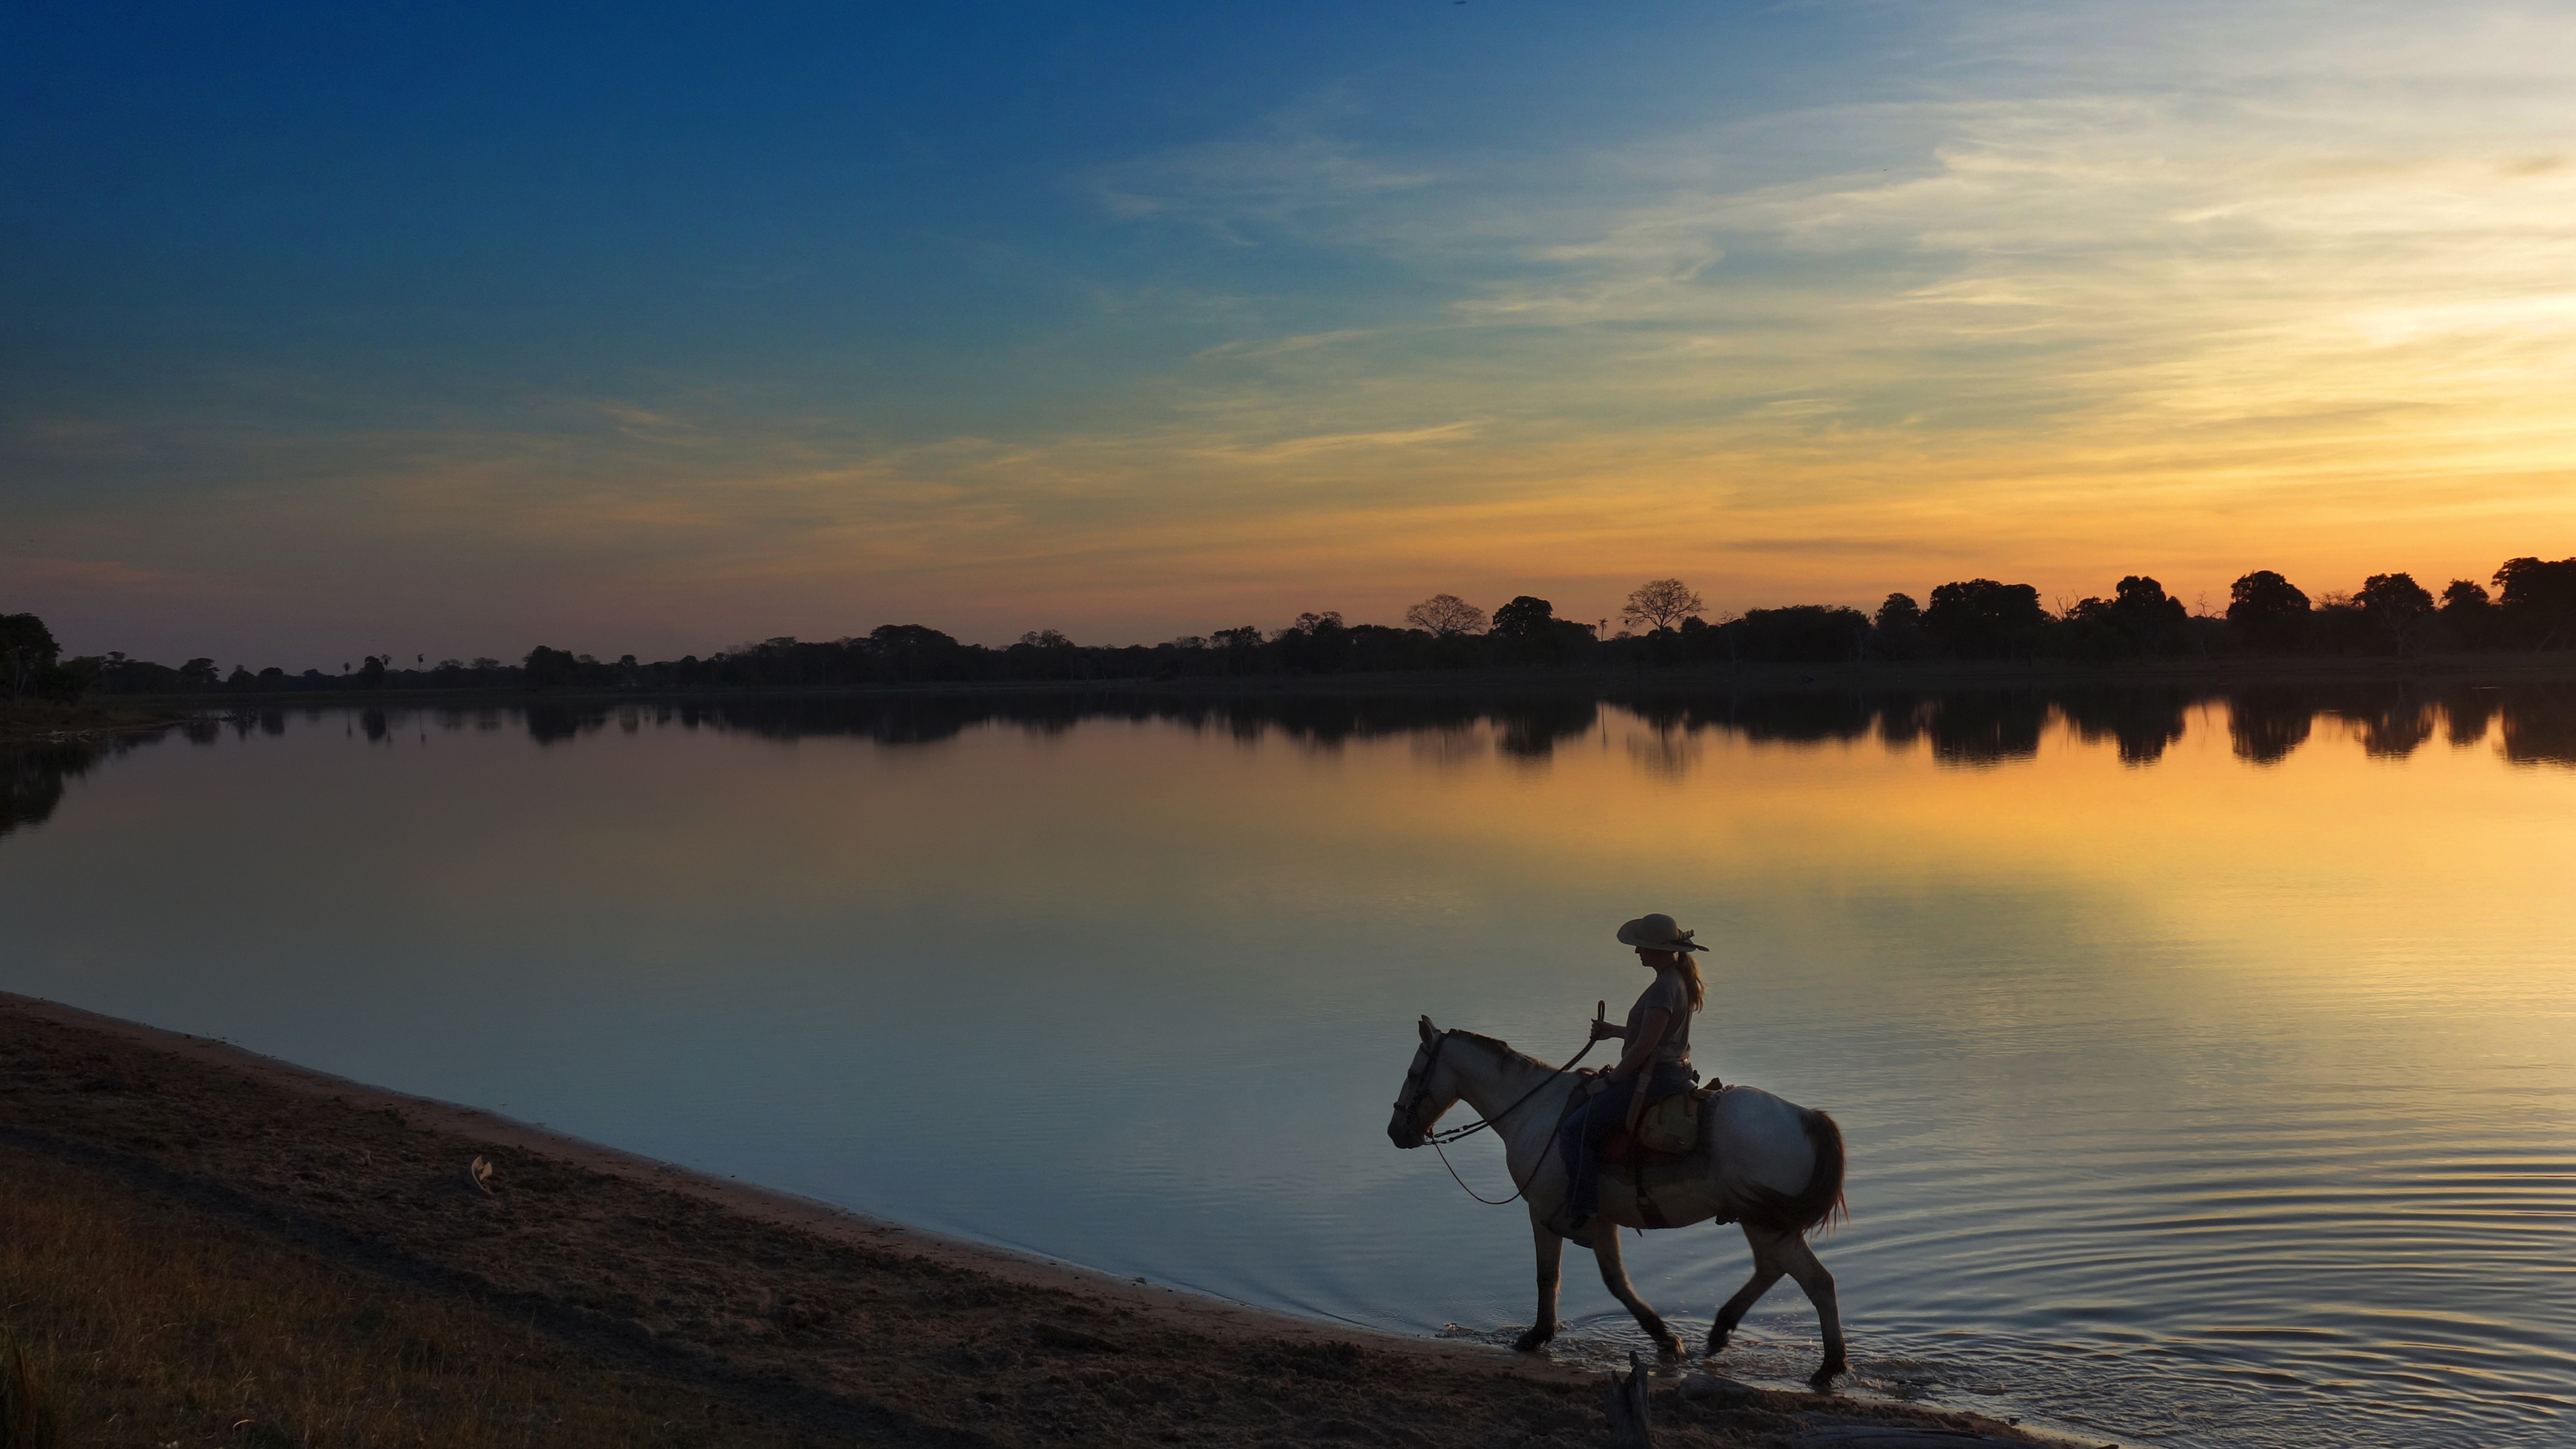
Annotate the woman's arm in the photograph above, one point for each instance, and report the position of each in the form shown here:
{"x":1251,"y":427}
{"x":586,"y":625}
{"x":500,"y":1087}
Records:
{"x":1640,"y":1057}
{"x":1640,"y":1054}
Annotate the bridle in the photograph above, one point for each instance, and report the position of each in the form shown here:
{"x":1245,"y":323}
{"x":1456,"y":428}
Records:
{"x":1408,"y":1100}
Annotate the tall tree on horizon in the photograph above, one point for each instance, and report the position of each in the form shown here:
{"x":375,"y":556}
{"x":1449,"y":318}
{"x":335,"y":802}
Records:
{"x":1661,"y":604}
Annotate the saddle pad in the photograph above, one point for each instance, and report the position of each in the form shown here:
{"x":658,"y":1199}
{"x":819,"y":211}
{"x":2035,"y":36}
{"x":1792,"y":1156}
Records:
{"x":1670,"y":1125}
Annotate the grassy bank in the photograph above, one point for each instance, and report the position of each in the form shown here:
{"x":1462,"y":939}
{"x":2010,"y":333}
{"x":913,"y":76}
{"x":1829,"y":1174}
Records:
{"x":142,"y":1320}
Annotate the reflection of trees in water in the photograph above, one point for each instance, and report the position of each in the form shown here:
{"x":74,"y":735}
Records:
{"x":2266,"y":725}
{"x":2392,"y":728}
{"x":2539,"y":723}
{"x":2535,"y":723}
{"x":1666,"y":752}
{"x":2465,"y":712}
{"x":1447,"y":747}
{"x":1765,"y":719}
{"x":1988,"y":727}
{"x":2392,"y":719}
{"x":1531,"y":731}
{"x":1524,"y":727}
{"x":32,"y":776}
{"x":2141,"y":723}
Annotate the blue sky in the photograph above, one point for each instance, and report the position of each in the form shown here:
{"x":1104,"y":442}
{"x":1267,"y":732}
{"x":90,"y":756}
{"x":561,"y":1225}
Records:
{"x":447,"y":330}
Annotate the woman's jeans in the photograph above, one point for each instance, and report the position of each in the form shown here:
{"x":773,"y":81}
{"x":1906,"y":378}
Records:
{"x":1598,"y":1118}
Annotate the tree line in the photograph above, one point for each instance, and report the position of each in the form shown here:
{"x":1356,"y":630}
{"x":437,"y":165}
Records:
{"x":2528,"y":603}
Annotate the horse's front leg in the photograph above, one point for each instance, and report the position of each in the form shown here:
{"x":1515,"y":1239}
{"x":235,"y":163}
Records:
{"x":1767,"y":1269}
{"x":1551,"y":1269}
{"x":1614,"y":1276}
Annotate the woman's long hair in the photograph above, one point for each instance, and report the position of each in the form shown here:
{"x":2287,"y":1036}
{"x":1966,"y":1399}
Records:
{"x":1688,"y":965}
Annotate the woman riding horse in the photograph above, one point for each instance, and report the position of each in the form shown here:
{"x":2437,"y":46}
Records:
{"x":1656,"y":1064}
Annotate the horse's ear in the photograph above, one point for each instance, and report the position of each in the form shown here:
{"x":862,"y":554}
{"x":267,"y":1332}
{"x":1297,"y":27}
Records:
{"x":1427,"y":1031}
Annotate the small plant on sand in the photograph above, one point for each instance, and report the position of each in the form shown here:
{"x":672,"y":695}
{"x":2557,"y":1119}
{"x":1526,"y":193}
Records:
{"x":27,"y":1419}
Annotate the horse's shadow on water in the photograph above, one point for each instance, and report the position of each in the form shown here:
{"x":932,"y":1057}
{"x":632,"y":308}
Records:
{"x":1771,"y":1166}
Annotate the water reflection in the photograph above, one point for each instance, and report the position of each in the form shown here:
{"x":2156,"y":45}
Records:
{"x":33,"y":776}
{"x":1970,"y":729}
{"x":1967,"y":728}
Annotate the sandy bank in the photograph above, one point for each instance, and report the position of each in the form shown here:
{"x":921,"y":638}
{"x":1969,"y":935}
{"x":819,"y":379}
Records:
{"x":843,"y":1327}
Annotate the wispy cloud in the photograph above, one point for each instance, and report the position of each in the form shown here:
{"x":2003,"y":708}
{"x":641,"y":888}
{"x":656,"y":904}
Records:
{"x":2085,"y":290}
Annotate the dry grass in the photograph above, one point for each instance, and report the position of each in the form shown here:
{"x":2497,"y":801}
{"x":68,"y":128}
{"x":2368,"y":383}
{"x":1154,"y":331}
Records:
{"x":130,"y":1321}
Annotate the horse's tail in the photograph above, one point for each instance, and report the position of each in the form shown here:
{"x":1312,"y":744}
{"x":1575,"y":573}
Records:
{"x":1818,"y":1204}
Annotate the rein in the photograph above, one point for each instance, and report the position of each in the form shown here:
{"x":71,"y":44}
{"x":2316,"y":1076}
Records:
{"x":1439,"y":1140}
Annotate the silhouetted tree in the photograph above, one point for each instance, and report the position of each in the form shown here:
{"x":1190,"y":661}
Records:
{"x":30,"y":659}
{"x":2267,"y":609}
{"x":2151,"y":618}
{"x":1982,"y":619}
{"x":1315,"y":644}
{"x":200,"y":674}
{"x":1660,"y":604}
{"x":1896,"y":630}
{"x":916,"y":653}
{"x":2397,"y":607}
{"x":1524,"y":618}
{"x":2137,"y":619}
{"x":1803,"y":634}
{"x":550,"y":668}
{"x":2468,"y":616}
{"x":2537,"y":599}
{"x":1446,"y":614}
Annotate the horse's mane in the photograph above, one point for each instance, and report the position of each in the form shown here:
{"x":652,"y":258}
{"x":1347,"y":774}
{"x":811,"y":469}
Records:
{"x":1497,"y":1044}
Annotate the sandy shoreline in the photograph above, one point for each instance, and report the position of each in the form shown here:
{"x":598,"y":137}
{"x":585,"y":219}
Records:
{"x":853,"y":1327}
{"x":1193,"y":1312}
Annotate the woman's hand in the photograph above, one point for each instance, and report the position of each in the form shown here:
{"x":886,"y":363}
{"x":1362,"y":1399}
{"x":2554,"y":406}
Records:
{"x":1607,"y":1030}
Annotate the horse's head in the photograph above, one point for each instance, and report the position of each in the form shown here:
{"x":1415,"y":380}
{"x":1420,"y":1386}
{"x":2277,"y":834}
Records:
{"x":1430,"y":1088}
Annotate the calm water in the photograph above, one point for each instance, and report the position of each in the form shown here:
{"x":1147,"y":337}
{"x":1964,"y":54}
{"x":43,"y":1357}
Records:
{"x":2207,"y":1068}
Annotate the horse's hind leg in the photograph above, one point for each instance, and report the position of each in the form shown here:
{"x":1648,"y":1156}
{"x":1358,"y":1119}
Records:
{"x":1810,"y":1272}
{"x":1614,"y":1276}
{"x":1767,"y":1269}
{"x":1551,"y":1265}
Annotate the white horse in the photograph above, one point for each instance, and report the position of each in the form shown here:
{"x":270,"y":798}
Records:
{"x":1773,"y":1166}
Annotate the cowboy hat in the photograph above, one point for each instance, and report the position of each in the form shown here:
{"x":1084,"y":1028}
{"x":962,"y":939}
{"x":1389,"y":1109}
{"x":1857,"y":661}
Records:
{"x":1658,"y":932}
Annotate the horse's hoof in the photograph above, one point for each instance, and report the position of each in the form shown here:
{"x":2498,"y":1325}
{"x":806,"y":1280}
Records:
{"x":1835,"y":1364}
{"x":1670,"y":1347}
{"x":1716,"y":1342}
{"x":1533,"y":1341}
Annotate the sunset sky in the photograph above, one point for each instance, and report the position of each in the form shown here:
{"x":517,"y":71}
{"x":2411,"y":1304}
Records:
{"x":446,"y":330}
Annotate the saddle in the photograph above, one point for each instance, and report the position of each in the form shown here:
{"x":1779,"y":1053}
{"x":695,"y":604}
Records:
{"x":1667,"y":1132}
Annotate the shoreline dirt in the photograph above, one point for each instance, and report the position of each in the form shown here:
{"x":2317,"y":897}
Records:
{"x":825,"y":1325}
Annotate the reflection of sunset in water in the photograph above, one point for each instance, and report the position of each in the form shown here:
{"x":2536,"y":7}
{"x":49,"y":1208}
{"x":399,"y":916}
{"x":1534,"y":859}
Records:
{"x":2206,"y":1063}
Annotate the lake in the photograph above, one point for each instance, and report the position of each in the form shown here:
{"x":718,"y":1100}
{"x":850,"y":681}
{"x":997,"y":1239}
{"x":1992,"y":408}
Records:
{"x":2208,"y":1065}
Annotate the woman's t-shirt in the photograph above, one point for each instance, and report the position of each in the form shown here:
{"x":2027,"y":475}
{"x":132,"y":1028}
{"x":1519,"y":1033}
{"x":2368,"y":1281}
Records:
{"x":1671,"y":993}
